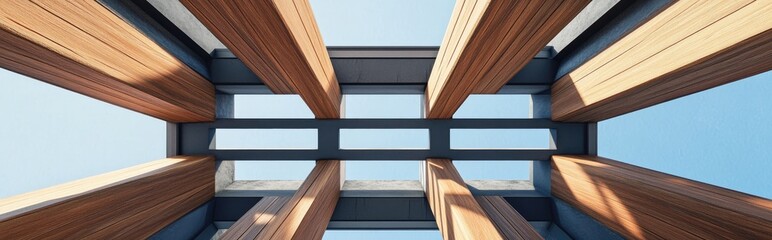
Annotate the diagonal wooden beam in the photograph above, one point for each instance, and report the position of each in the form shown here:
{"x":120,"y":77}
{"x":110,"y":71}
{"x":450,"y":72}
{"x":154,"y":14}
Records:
{"x":688,"y":47}
{"x":280,"y":42}
{"x":510,"y":223}
{"x":82,"y":46}
{"x":460,"y":216}
{"x":640,"y":203}
{"x":131,"y":203}
{"x":304,"y":216}
{"x":487,"y":43}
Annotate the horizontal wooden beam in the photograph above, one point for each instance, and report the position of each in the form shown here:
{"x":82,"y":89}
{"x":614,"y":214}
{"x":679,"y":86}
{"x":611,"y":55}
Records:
{"x":688,"y":47}
{"x":280,"y":42}
{"x":487,"y":43}
{"x":456,"y":211}
{"x":304,"y":216}
{"x":510,"y":223}
{"x":84,"y":47}
{"x":643,"y":204}
{"x":131,"y":203}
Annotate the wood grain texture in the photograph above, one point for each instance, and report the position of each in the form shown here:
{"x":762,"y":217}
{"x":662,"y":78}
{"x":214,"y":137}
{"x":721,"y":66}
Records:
{"x":689,"y":47}
{"x":280,"y":42}
{"x":131,"y":203}
{"x":83,"y":47}
{"x":644,"y":204}
{"x":510,"y":223}
{"x":487,"y":42}
{"x":456,"y":211}
{"x":304,"y":216}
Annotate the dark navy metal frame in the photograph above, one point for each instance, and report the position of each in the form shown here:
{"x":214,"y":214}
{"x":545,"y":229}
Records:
{"x":567,"y":138}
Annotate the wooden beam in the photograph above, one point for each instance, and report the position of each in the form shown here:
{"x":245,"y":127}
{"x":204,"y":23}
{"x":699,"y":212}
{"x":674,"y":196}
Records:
{"x":689,"y":47}
{"x":304,"y":216}
{"x":510,"y":223}
{"x":82,"y":46}
{"x":280,"y":42}
{"x":640,"y":203}
{"x":487,"y":43}
{"x":131,"y":203}
{"x":457,"y":213}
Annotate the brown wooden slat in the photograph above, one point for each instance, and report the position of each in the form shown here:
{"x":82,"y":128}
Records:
{"x":131,"y":203}
{"x":280,"y":42}
{"x":689,"y":47}
{"x":641,"y":204}
{"x":487,"y":43}
{"x":304,"y":216}
{"x":256,"y":218}
{"x":83,"y":47}
{"x":510,"y":223}
{"x":456,"y":211}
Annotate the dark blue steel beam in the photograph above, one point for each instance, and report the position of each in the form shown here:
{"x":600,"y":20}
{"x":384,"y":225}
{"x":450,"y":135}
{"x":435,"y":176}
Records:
{"x":199,"y":138}
{"x":384,"y":209}
{"x":378,"y":70}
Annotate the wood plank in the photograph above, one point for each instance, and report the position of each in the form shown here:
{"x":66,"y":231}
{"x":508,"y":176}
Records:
{"x":640,"y":203}
{"x":280,"y":42}
{"x":130,"y":203}
{"x":256,"y":218}
{"x":689,"y":47}
{"x":509,"y":222}
{"x":487,"y":43}
{"x":304,"y":216}
{"x":458,"y":214}
{"x":82,"y":46}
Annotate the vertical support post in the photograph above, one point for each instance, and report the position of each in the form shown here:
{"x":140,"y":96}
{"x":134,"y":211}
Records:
{"x":172,"y":139}
{"x":337,"y":141}
{"x":592,"y":139}
{"x":329,"y":139}
{"x":225,"y":170}
{"x":439,"y":139}
{"x":541,"y":107}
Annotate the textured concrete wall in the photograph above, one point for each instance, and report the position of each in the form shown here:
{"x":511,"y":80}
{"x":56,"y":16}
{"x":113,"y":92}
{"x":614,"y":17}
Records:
{"x":581,"y":22}
{"x":189,"y":24}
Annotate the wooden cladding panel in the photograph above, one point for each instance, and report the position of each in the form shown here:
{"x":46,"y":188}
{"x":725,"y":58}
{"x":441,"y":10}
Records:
{"x":304,"y":216}
{"x":280,"y":42}
{"x":83,"y":47}
{"x":131,"y":203}
{"x":487,"y":43}
{"x":644,"y":204}
{"x":510,"y":223}
{"x":689,"y":47}
{"x":456,"y":211}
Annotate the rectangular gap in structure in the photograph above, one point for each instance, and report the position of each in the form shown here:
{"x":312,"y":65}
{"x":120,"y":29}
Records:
{"x":382,"y":170}
{"x":494,"y":169}
{"x":406,"y":139}
{"x":261,"y":139}
{"x":383,"y":106}
{"x":272,"y":170}
{"x":501,"y":139}
{"x":487,"y":106}
{"x":270,"y":106}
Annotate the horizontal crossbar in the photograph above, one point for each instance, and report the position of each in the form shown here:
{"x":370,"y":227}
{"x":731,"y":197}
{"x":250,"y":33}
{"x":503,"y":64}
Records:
{"x":567,"y":138}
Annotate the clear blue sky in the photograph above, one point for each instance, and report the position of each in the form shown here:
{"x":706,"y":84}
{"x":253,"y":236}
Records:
{"x":721,"y":136}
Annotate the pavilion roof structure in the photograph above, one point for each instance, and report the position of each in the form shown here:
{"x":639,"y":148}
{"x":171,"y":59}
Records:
{"x":580,"y":61}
